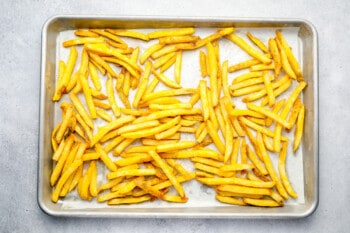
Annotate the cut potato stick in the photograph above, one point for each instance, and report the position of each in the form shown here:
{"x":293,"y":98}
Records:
{"x":256,"y":161}
{"x":260,"y":202}
{"x":294,"y":112}
{"x":58,"y":91}
{"x":207,"y":168}
{"x":81,"y":41}
{"x":236,"y":181}
{"x":270,"y":167}
{"x":128,"y":33}
{"x":73,"y":54}
{"x":276,"y":56}
{"x":269,"y":114}
{"x":129,"y":200}
{"x":178,"y":39}
{"x":149,"y":51}
{"x":204,"y":98}
{"x":247,"y":48}
{"x":203,"y":64}
{"x":174,"y":32}
{"x":282,"y":170}
{"x":269,"y":89}
{"x":230,"y":200}
{"x":175,"y":146}
{"x":124,"y":144}
{"x":212,"y":63}
{"x":299,"y":128}
{"x":278,"y":106}
{"x":131,"y":172}
{"x":178,"y":64}
{"x":243,"y":65}
{"x":153,"y":131}
{"x":166,"y":169}
{"x":84,"y":33}
{"x":257,"y":42}
{"x":169,"y":93}
{"x":162,"y":60}
{"x":291,"y":58}
{"x":210,"y":162}
{"x":164,"y":79}
{"x":143,"y":85}
{"x":244,"y":190}
{"x":214,"y":135}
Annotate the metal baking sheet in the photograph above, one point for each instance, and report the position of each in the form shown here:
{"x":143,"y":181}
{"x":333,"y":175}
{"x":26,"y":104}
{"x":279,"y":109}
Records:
{"x":302,"y":166}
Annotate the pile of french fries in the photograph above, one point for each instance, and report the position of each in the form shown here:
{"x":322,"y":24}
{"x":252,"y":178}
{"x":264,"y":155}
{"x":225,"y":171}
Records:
{"x":140,"y":142}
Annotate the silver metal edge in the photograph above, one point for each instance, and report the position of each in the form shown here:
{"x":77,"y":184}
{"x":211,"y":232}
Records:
{"x":63,"y":213}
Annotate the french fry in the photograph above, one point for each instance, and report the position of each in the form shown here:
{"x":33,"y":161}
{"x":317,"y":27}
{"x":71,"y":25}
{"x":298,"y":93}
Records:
{"x":102,"y":105}
{"x":229,"y":142}
{"x":269,"y":114}
{"x":258,"y":164}
{"x":236,"y":181}
{"x":214,"y":135}
{"x":284,"y":60}
{"x":169,"y":93}
{"x":129,"y":200}
{"x":260,"y":202}
{"x":175,"y":146}
{"x":269,"y":90}
{"x":203,"y":64}
{"x":178,"y":64}
{"x":247,"y":48}
{"x":243,"y":65}
{"x":64,"y":125}
{"x":143,"y":84}
{"x":229,"y":200}
{"x":88,"y":97}
{"x":299,"y":128}
{"x":121,"y":147}
{"x":111,"y":97}
{"x":113,"y":143}
{"x":294,"y":113}
{"x":204,"y":98}
{"x":81,"y":41}
{"x":166,"y":169}
{"x":257,"y":42}
{"x":207,"y":168}
{"x":270,"y":167}
{"x":167,"y":133}
{"x":282,"y":170}
{"x":276,"y":56}
{"x":244,"y":190}
{"x":128,"y":33}
{"x":174,"y":32}
{"x":73,"y":54}
{"x":168,"y":64}
{"x":178,"y":39}
{"x":83,"y":33}
{"x":149,"y":51}
{"x":109,"y":36}
{"x":131,"y":172}
{"x":162,"y":60}
{"x":278,"y":106}
{"x":213,"y":74}
{"x":164,"y":79}
{"x":291,"y":58}
{"x":61,"y":71}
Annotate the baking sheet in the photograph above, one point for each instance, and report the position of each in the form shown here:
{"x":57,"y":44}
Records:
{"x":201,"y":201}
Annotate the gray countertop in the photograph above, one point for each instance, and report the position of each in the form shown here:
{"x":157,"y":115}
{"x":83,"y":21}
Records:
{"x":21,"y":24}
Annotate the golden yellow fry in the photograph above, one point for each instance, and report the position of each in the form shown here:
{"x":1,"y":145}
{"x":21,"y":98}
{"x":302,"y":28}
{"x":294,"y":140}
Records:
{"x":153,"y":131}
{"x":246,"y":76}
{"x":87,"y":93}
{"x":59,"y":149}
{"x":203,"y":63}
{"x":247,"y":48}
{"x":131,"y":172}
{"x":139,"y":126}
{"x":269,"y":89}
{"x":93,"y":179}
{"x":162,"y":60}
{"x":299,"y":128}
{"x":61,"y":160}
{"x":94,"y":76}
{"x":228,"y":142}
{"x":133,"y":160}
{"x":282,"y":170}
{"x":168,"y":64}
{"x":168,"y":113}
{"x":285,"y":63}
{"x":90,"y":156}
{"x":65,"y":123}
{"x":109,"y":127}
{"x":201,"y":174}
{"x":151,"y":87}
{"x":111,"y":97}
{"x":204,"y":98}
{"x":259,"y":121}
{"x":256,"y":161}
{"x":206,"y":161}
{"x":101,"y":104}
{"x":81,"y":41}
{"x":257,"y":42}
{"x":71,"y":156}
{"x":178,"y":39}
{"x":258,"y":127}
{"x":109,"y":36}
{"x":291,"y":58}
{"x":207,"y":168}
{"x":143,"y":85}
{"x":113,"y":143}
{"x":169,"y":93}
{"x":102,"y":63}
{"x":166,"y":169}
{"x":224,"y":77}
{"x":124,"y":144}
{"x":167,"y":133}
{"x":260,"y":202}
{"x":246,"y":83}
{"x":180,"y":169}
{"x":171,"y":32}
{"x":294,"y":113}
{"x":269,"y":114}
{"x":164,"y":79}
{"x":278,"y":106}
{"x":86,"y":128}
{"x":164,"y":51}
{"x":261,"y":67}
{"x":178,"y":64}
{"x":149,"y":51}
{"x":175,"y":146}
{"x":270,"y":168}
{"x":244,"y":190}
{"x":214,"y":135}
{"x":230,"y":200}
{"x":278,"y":91}
{"x":276,"y":56}
{"x":213,"y":74}
{"x":73,"y":54}
{"x":61,"y":70}
{"x":245,"y":112}
{"x":105,"y":158}
{"x":129,"y":200}
{"x":158,"y":107}
{"x":267,"y":143}
{"x":83,"y":33}
{"x":212,"y":37}
{"x":236,"y":181}
{"x":97,"y":94}
{"x":243,"y":65}
{"x":104,"y":115}
{"x":128,"y":33}
{"x":291,"y":99}
{"x":72,"y":168}
{"x":134,"y":112}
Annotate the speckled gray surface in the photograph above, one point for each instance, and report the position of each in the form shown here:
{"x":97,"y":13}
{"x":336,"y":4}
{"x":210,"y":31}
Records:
{"x":20,"y":25}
